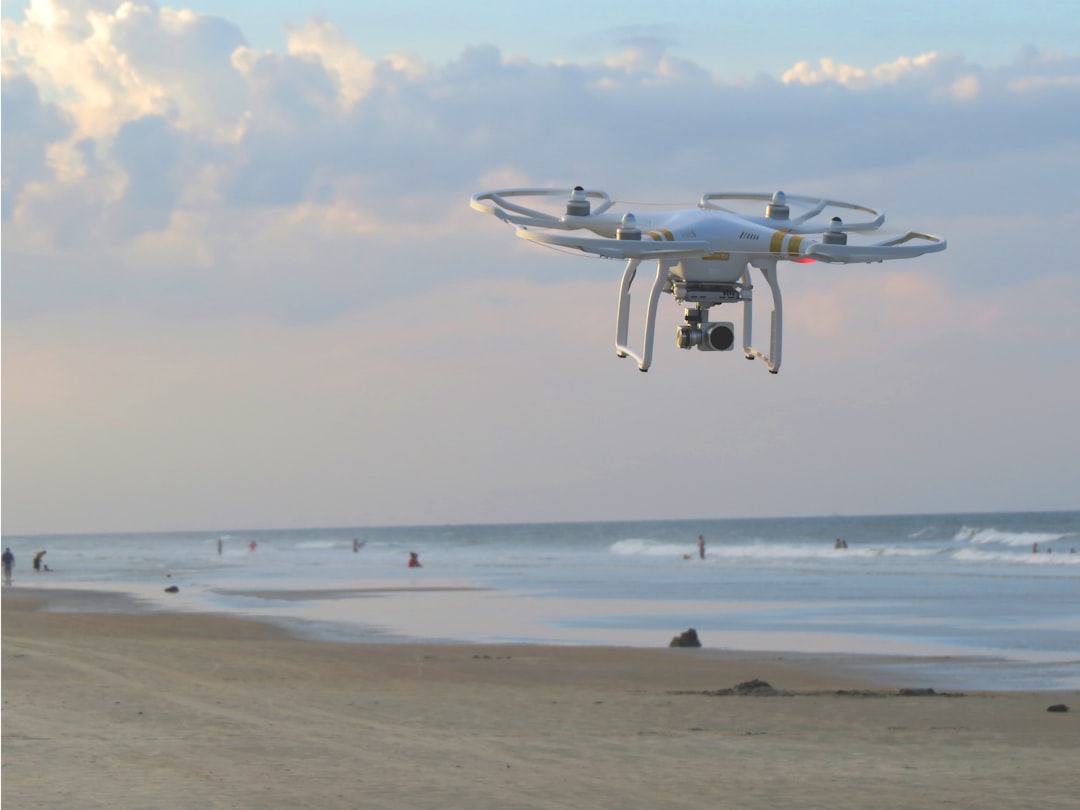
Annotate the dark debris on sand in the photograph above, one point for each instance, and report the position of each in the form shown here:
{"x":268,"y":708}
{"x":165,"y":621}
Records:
{"x":759,"y":688}
{"x":754,"y":688}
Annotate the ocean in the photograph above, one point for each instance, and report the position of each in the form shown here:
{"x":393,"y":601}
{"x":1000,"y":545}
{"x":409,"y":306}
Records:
{"x":984,"y":601}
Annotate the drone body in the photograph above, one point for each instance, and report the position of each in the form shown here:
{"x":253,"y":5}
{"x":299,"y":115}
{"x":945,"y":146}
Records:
{"x":704,"y":255}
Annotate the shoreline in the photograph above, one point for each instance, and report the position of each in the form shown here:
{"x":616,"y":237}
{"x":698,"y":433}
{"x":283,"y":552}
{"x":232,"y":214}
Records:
{"x":175,"y":710}
{"x":429,"y":618}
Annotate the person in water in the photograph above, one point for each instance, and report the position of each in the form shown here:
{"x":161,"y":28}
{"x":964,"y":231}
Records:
{"x":701,"y":546}
{"x":38,"y":561}
{"x":9,"y":563}
{"x":414,"y":560}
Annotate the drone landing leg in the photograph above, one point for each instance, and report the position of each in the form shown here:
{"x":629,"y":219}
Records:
{"x":623,"y":323}
{"x":772,"y":359}
{"x":748,"y":315}
{"x":622,"y":349}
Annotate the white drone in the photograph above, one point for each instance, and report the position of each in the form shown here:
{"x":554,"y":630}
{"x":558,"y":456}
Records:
{"x":704,"y":254}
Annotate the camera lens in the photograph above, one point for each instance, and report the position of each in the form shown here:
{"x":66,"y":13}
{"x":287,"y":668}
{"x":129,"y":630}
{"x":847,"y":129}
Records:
{"x":687,"y":337}
{"x":721,"y":337}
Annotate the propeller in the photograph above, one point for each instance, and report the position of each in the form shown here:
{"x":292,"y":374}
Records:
{"x":504,"y":205}
{"x":793,"y":213}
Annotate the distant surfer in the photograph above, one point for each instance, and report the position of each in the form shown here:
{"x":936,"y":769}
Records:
{"x":38,"y":561}
{"x":358,"y":544}
{"x":252,"y":545}
{"x":701,"y":546}
{"x":840,"y":543}
{"x":9,"y":563}
{"x":414,"y":560}
{"x":219,"y":546}
{"x":1034,"y":548}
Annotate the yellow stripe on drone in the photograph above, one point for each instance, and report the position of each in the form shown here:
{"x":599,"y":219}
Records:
{"x":661,"y":235}
{"x":776,"y":244}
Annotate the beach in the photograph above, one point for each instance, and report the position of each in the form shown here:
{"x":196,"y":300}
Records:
{"x":120,"y":709}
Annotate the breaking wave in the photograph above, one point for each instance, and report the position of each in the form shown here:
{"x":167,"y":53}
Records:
{"x":981,"y":537}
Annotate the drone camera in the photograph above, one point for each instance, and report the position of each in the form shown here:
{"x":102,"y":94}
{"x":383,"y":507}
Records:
{"x":708,"y":337}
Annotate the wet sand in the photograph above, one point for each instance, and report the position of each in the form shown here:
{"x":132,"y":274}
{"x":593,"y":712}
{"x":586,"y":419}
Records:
{"x":159,"y":710}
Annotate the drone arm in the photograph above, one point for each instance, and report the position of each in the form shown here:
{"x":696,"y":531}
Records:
{"x":618,"y":248}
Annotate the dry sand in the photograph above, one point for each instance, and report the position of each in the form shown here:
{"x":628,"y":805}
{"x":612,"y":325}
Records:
{"x":112,"y":710}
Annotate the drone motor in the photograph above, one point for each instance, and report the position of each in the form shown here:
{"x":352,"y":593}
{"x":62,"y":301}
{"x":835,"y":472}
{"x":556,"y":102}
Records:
{"x":778,"y":207}
{"x":578,"y":205}
{"x":834,"y":234}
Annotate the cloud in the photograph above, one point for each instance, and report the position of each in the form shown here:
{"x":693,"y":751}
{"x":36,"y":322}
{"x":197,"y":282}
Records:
{"x":858,"y":78}
{"x":201,"y":233}
{"x":30,"y":127}
{"x":160,"y":139}
{"x":115,"y":62}
{"x":146,"y":128}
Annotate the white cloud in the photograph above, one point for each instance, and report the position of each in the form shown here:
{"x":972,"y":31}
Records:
{"x":179,"y":205}
{"x":114,"y":62}
{"x":857,"y":78}
{"x":353,"y":72}
{"x":965,"y":88}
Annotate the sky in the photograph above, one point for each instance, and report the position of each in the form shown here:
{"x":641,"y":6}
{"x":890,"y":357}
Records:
{"x":243,"y":288}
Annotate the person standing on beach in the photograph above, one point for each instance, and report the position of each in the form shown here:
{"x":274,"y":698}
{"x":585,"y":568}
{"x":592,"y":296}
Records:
{"x":9,"y":563}
{"x":38,"y":560}
{"x":701,"y":546}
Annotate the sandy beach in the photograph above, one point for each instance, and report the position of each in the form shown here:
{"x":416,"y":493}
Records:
{"x":158,"y":710}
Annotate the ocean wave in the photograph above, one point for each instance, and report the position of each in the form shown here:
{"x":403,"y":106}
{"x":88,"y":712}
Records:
{"x":306,"y":544}
{"x":650,"y":548}
{"x":981,"y":555}
{"x":764,"y":551}
{"x":978,"y":536}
